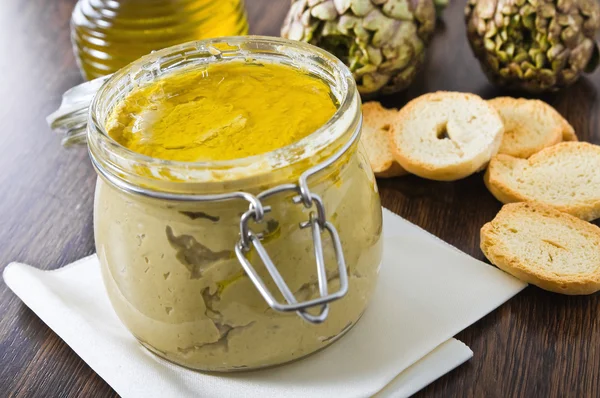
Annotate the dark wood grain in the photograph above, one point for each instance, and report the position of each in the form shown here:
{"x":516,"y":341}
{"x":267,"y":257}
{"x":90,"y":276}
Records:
{"x":537,"y":345}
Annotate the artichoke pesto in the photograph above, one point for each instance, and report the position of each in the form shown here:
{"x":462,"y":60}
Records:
{"x":169,"y":147}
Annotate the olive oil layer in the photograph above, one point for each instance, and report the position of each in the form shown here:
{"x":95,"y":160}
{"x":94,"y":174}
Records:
{"x":224,"y":111}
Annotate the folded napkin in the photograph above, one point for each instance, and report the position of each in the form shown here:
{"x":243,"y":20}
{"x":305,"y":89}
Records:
{"x":427,"y":292}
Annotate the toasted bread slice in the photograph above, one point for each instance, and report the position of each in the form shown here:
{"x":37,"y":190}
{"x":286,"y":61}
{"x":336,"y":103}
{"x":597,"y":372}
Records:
{"x":545,"y":247}
{"x":568,"y":133}
{"x":445,"y":135}
{"x":565,"y":176}
{"x":375,"y":138}
{"x":529,"y":126}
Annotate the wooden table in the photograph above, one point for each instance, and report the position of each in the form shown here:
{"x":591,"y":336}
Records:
{"x":538,"y":344}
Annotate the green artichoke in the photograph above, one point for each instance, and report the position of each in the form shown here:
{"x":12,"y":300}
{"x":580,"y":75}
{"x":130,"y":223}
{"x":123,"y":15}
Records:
{"x":534,"y":45}
{"x":382,"y":41}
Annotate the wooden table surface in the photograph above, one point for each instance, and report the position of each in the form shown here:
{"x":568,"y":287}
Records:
{"x":538,"y":344}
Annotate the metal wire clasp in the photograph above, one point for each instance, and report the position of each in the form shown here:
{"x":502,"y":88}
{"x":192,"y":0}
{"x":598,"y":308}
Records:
{"x":318,"y":223}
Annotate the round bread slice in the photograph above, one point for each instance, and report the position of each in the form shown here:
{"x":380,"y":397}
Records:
{"x":529,"y":126}
{"x":568,"y":132}
{"x":375,"y":139}
{"x":544,"y":247}
{"x":565,"y":176}
{"x":446,"y":136}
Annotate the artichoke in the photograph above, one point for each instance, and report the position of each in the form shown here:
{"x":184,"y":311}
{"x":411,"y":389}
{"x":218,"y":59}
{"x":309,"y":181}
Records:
{"x":382,"y":41}
{"x":534,"y":45}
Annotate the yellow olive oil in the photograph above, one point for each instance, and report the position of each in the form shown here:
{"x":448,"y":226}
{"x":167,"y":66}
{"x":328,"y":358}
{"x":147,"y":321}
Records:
{"x":109,"y":34}
{"x":224,"y":111}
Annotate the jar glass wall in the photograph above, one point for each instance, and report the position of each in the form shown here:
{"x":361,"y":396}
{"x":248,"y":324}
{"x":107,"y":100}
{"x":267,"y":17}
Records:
{"x":169,"y":265}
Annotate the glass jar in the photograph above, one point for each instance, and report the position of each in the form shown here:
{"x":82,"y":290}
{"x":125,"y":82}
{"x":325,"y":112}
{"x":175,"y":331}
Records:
{"x":109,"y":34}
{"x":213,"y":265}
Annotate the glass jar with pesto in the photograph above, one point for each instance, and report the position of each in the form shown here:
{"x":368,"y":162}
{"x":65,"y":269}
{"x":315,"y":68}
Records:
{"x":237,"y":220}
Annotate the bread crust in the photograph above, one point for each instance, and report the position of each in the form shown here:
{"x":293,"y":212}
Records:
{"x":568,"y":132}
{"x":391,"y":169}
{"x":375,"y":120}
{"x":459,"y":167}
{"x":496,"y":249}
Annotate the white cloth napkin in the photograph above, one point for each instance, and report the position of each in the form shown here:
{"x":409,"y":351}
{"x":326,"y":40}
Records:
{"x":427,"y":292}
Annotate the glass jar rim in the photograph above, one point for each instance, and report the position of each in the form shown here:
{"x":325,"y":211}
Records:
{"x":297,"y":54}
